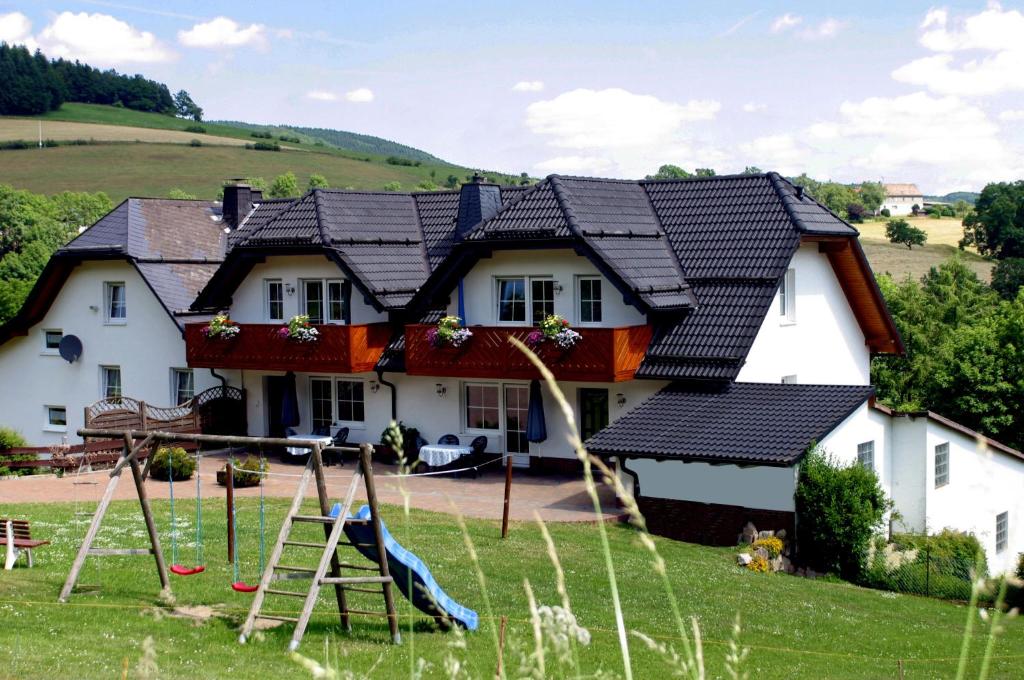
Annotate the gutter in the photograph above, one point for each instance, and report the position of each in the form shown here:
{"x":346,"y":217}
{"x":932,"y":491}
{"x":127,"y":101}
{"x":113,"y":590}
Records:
{"x":394,"y":393}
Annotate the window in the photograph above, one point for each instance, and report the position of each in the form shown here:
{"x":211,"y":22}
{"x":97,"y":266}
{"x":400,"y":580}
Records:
{"x":351,"y":408}
{"x":590,"y":300}
{"x":334,"y":308}
{"x":51,"y":340}
{"x":56,"y":418}
{"x":866,"y":455}
{"x":512,"y":300}
{"x":542,"y":298}
{"x":1002,"y":531}
{"x":115,"y":303}
{"x":110,"y":382}
{"x":321,"y":402}
{"x":273,"y":294}
{"x":942,"y":465}
{"x":182,"y":385}
{"x":482,"y":407}
{"x":789,"y":379}
{"x":787,"y":297}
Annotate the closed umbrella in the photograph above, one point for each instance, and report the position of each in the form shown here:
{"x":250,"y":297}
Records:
{"x":289,"y":402}
{"x":536,"y":428}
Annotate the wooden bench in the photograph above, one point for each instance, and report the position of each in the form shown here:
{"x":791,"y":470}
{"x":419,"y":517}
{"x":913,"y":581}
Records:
{"x":18,"y":538}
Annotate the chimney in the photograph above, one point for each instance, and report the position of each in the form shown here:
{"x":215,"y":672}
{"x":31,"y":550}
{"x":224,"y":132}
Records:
{"x":237,"y":203}
{"x":478,"y":201}
{"x":257,"y":195}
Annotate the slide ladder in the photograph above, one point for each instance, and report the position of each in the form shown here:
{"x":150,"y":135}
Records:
{"x":328,"y":571}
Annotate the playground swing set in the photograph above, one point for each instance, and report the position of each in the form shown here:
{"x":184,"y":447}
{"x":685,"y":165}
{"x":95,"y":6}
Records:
{"x":363,"y":531}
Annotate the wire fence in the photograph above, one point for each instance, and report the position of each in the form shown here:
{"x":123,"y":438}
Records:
{"x":922,"y":571}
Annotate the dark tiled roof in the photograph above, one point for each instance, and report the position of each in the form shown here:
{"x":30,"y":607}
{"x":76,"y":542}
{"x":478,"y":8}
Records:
{"x":742,"y":423}
{"x":261,"y":214}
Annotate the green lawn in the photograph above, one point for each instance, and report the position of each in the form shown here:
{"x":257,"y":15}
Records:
{"x":795,"y":628}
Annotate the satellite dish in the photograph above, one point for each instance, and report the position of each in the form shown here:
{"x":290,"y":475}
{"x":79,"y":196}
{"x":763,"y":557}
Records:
{"x":70,"y":348}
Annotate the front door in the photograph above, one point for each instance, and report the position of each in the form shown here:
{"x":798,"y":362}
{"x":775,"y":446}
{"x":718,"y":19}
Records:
{"x":593,"y":411}
{"x":517,"y":403}
{"x":274,"y":386}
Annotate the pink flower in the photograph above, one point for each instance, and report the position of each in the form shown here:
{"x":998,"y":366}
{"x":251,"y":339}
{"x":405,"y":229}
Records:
{"x":283,"y":332}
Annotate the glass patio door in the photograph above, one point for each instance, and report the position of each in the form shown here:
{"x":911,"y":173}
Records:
{"x":517,"y":402}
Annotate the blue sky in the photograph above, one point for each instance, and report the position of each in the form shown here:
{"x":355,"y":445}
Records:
{"x":899,"y":91}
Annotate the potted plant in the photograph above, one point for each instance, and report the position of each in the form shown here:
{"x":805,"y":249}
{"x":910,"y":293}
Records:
{"x":221,"y":327}
{"x":172,"y":461}
{"x":299,"y":329}
{"x":246,"y":473}
{"x":448,"y":333}
{"x":554,"y":329}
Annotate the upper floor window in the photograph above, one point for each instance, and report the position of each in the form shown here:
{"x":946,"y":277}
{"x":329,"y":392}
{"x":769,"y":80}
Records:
{"x":515,"y":298}
{"x":110,"y":382}
{"x":787,"y":297}
{"x":115,"y":305}
{"x":183,"y":386}
{"x":590,"y":300}
{"x":326,"y":300}
{"x":51,"y":340}
{"x":1002,"y":531}
{"x":942,"y":465}
{"x":273,"y":296}
{"x":866,"y":455}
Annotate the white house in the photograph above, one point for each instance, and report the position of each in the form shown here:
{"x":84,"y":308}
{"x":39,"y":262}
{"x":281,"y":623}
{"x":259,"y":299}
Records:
{"x":900,"y":199}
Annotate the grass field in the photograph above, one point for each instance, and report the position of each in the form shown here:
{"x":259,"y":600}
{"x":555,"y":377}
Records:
{"x":28,"y":129}
{"x":795,"y":628}
{"x":154,"y":169}
{"x":899,"y":261}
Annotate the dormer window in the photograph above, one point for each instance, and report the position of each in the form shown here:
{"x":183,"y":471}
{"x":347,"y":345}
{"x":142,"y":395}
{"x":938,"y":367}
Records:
{"x":787,"y":298}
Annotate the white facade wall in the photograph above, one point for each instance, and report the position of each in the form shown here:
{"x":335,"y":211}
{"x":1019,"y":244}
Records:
{"x":563,"y":265}
{"x":865,"y":424}
{"x":824,"y":345}
{"x":902,"y":205}
{"x":768,"y":488}
{"x":909,"y":461}
{"x":146,"y":348}
{"x":248,"y":304}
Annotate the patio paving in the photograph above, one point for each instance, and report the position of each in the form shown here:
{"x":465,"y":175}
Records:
{"x":558,"y":498}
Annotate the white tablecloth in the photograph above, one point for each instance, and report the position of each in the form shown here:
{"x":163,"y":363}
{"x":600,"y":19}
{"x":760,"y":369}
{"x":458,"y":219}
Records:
{"x":300,"y":451}
{"x":436,"y":455}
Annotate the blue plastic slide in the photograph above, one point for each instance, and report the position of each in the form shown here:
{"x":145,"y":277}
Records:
{"x":426,"y":594}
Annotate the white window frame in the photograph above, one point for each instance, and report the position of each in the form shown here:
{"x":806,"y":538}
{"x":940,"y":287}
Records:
{"x":866,"y":454}
{"x":943,"y":450}
{"x":1002,"y":532}
{"x":175,"y":372}
{"x":787,"y":298}
{"x":108,"y":301}
{"x":528,"y":293}
{"x":330,"y":397}
{"x":51,"y":351}
{"x":336,"y":421}
{"x":464,"y":407}
{"x":579,"y":300}
{"x":267,"y":283}
{"x":325,"y":300}
{"x":104,"y":385}
{"x":48,"y":424}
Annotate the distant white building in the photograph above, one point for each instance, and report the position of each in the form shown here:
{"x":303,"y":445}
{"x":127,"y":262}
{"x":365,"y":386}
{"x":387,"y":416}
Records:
{"x":900,"y":199}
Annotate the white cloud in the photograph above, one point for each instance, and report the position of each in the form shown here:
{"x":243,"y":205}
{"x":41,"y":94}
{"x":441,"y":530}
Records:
{"x":359,"y":95}
{"x":528,"y":86}
{"x":754,"y":107}
{"x":992,"y":30}
{"x":575,"y":165}
{"x":1011,"y":115}
{"x":828,"y":28}
{"x":785,"y":22}
{"x":780,"y":152}
{"x":322,"y":96}
{"x":16,"y":29}
{"x":101,"y":40}
{"x":223,"y":33}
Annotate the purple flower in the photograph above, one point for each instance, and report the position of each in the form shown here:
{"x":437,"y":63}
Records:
{"x":535,"y":338}
{"x":282,"y":332}
{"x":432,"y":337}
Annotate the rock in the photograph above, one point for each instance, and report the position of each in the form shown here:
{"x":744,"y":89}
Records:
{"x":781,"y":534}
{"x":743,"y":559}
{"x":786,"y":565}
{"x":761,"y":552}
{"x":749,"y":534}
{"x":765,"y":534}
{"x":776,"y":564}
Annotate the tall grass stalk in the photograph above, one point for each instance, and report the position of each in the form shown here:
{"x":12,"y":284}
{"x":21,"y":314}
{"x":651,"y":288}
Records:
{"x":972,"y":612}
{"x":538,"y":635}
{"x":994,"y":628}
{"x":563,"y":592}
{"x":577,"y":443}
{"x":482,"y":581}
{"x":398,"y":445}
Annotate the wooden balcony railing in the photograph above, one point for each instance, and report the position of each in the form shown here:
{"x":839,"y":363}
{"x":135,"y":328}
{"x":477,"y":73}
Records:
{"x":601,"y":355}
{"x":340,"y":349}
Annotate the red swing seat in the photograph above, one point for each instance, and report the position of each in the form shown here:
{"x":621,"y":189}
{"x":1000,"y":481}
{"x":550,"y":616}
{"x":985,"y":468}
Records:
{"x":243,"y":587}
{"x":186,"y":571}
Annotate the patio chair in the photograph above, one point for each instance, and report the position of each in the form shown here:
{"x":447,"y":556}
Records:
{"x":322,"y":431}
{"x":339,"y":439}
{"x":477,"y":448}
{"x":448,"y":439}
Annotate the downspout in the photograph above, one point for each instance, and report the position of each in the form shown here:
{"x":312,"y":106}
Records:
{"x":394,"y":393}
{"x":222,"y":379}
{"x":631,"y":473}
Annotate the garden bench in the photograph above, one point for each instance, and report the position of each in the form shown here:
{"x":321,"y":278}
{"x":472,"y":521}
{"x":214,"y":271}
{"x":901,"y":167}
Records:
{"x":18,"y":538}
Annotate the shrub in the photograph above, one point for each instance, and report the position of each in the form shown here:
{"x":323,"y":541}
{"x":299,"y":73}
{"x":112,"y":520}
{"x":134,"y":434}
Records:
{"x":14,"y":144}
{"x":195,"y":142}
{"x":168,"y":462}
{"x":398,"y":160}
{"x":261,"y":135}
{"x":10,"y":439}
{"x":839,"y":508}
{"x":772,"y":544}
{"x":264,"y":146}
{"x":245,"y":473}
{"x":1008,"y":277}
{"x":393,"y":186}
{"x":944,"y":565}
{"x":901,"y":231}
{"x":198,"y":129}
{"x":885,"y":212}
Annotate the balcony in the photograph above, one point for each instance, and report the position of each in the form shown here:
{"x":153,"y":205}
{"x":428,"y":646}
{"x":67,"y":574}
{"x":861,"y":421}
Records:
{"x":602,"y":355}
{"x":340,"y":349}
